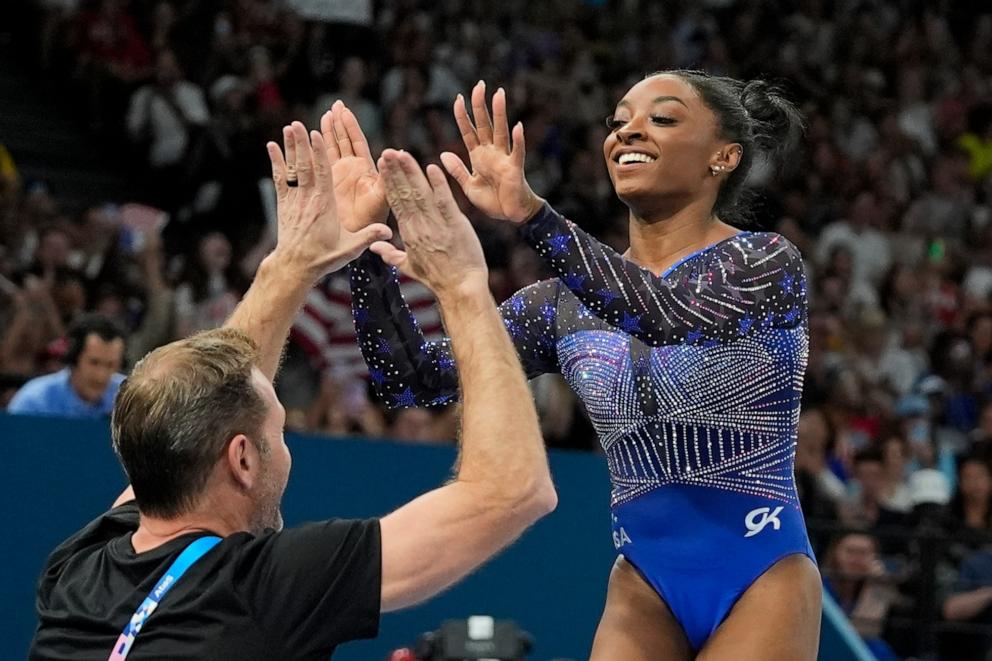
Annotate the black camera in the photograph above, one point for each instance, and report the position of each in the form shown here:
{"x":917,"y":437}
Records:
{"x":477,"y":638}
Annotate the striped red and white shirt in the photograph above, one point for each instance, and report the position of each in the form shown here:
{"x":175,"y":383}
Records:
{"x":325,"y":330}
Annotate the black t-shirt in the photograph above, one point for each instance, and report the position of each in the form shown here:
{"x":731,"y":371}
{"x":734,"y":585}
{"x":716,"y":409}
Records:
{"x":293,"y":594}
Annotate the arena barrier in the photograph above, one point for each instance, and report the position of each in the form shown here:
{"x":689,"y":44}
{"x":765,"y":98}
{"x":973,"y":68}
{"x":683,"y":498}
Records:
{"x":57,"y":475}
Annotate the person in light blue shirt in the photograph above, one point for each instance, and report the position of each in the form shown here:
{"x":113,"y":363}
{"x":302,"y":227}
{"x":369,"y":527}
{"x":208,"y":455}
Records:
{"x":87,"y":386}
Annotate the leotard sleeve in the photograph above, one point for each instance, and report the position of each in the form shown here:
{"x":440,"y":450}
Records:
{"x":742,"y":285}
{"x":405,"y":368}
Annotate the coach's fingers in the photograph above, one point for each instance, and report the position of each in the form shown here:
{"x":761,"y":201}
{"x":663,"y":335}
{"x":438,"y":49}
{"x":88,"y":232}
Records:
{"x":304,"y":155}
{"x":443,"y":198}
{"x":289,"y":149}
{"x":321,"y":164}
{"x":278,"y":169}
{"x":399,"y":194}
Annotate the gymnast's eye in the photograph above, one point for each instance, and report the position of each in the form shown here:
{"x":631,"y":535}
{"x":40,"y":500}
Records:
{"x":614,"y":123}
{"x":662,"y":120}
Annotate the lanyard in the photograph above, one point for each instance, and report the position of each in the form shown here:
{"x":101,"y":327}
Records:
{"x":190,"y":555}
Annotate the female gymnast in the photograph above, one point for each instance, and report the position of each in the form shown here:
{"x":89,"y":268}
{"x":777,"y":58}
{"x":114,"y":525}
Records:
{"x":688,"y":352}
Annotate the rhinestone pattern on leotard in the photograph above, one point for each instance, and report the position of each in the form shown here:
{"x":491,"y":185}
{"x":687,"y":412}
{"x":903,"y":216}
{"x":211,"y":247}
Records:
{"x":691,"y":378}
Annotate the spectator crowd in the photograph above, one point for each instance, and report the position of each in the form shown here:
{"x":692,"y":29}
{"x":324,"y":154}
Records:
{"x":891,"y":204}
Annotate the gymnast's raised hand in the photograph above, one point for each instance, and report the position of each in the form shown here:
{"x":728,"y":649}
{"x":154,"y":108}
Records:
{"x":358,"y":188}
{"x":496,"y":184}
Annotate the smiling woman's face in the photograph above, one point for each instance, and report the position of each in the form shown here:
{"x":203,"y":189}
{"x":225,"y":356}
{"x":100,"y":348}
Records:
{"x":662,"y":141}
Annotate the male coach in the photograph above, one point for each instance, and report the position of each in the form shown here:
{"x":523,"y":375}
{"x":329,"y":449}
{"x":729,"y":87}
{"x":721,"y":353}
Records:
{"x":192,"y":561}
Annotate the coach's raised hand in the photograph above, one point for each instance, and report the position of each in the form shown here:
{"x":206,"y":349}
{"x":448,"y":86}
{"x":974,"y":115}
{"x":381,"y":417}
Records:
{"x":310,"y":235}
{"x":310,"y":243}
{"x":441,"y":248}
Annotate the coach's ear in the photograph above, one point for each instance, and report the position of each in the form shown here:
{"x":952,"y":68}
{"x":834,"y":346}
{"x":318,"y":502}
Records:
{"x":243,"y":461}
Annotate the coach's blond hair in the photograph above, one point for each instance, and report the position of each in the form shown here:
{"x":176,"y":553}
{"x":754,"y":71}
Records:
{"x":177,"y":411}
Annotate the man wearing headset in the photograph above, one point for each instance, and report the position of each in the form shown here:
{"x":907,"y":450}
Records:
{"x":86,"y":387}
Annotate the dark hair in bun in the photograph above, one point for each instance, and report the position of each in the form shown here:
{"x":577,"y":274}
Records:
{"x":755,"y":114}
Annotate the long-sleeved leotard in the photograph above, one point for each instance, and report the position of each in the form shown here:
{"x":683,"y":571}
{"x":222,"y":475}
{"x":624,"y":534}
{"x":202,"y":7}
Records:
{"x":706,"y":359}
{"x":408,"y":370}
{"x":691,"y":379}
{"x":691,"y":368}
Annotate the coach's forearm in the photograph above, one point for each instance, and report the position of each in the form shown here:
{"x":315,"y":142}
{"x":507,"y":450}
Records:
{"x":502,"y":453}
{"x":267,"y":310}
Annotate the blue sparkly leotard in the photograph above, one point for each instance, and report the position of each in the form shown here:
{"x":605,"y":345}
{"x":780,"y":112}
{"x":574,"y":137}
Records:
{"x":692,"y":381}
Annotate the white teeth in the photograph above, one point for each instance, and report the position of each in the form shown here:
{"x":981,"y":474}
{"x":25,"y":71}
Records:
{"x":635,"y":157}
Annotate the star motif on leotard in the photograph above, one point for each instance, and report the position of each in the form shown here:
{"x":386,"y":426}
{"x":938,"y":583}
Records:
{"x":792,"y":314}
{"x":446,"y":362}
{"x":384,"y":347}
{"x":607,"y":296}
{"x":574,"y":282}
{"x":405,"y":398}
{"x":693,"y":336}
{"x":545,"y":342}
{"x":559,"y":244}
{"x":548,"y":312}
{"x":513,"y":328}
{"x":744,"y":324}
{"x":378,"y":376}
{"x":786,"y":282}
{"x":631,"y":323}
{"x":361,"y":316}
{"x":517,"y":304}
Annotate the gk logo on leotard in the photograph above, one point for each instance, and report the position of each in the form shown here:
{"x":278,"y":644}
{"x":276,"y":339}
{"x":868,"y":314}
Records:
{"x":755,"y":525}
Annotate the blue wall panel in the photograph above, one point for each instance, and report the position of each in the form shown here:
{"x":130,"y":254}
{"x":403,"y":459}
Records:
{"x":57,"y":475}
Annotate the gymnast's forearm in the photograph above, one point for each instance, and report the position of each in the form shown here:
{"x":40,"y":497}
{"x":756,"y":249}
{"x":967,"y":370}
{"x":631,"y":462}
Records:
{"x":406,"y":369}
{"x":718,"y":305}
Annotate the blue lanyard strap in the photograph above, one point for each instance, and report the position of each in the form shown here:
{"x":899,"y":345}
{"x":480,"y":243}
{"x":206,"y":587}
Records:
{"x":196,"y":550}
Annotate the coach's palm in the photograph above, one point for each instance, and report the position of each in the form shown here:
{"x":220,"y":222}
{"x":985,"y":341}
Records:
{"x":441,"y":249}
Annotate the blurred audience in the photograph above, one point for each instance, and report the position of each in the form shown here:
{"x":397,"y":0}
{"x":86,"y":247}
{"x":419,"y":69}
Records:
{"x":87,"y":385}
{"x":890,"y":205}
{"x":971,"y":603}
{"x":853,"y":573}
